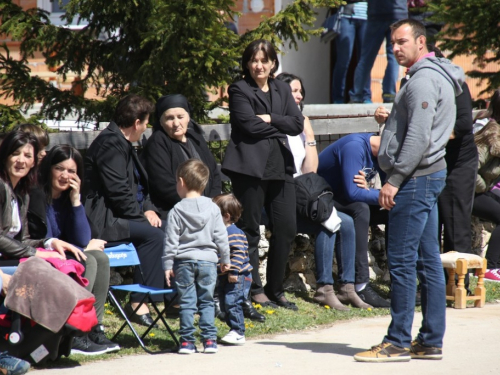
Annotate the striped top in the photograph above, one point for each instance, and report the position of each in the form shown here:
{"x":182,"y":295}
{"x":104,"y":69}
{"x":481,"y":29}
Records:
{"x":240,"y":262}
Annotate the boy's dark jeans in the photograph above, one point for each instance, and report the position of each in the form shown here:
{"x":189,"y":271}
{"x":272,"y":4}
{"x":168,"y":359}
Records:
{"x":231,"y":297}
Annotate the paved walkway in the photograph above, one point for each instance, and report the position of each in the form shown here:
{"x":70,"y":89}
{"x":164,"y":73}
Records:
{"x":471,"y":347}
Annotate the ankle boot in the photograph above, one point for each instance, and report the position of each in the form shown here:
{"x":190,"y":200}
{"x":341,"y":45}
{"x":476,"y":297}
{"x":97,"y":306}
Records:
{"x":326,"y":296}
{"x":348,"y":295}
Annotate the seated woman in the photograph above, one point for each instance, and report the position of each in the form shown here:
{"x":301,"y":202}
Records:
{"x":116,"y":198}
{"x":175,"y":139}
{"x":60,"y":175}
{"x":17,"y":174}
{"x":305,"y":156}
{"x":487,"y":199}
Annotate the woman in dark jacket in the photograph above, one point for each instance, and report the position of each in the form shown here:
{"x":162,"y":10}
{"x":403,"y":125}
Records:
{"x":175,"y":139}
{"x":259,"y":161}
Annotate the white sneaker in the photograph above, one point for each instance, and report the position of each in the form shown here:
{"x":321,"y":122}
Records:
{"x":233,"y":338}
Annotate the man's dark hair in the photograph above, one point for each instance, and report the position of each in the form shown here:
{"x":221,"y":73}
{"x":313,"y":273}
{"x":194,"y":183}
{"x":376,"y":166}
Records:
{"x":417,"y":27}
{"x":131,"y":108}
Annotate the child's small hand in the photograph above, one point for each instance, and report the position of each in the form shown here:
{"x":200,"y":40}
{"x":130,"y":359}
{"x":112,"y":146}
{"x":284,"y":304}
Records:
{"x":224,"y":267}
{"x":232,"y":278}
{"x":168,"y":275}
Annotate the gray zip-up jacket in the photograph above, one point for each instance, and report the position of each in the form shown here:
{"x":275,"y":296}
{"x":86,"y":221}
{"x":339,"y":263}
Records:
{"x":195,"y":231}
{"x":421,"y":121}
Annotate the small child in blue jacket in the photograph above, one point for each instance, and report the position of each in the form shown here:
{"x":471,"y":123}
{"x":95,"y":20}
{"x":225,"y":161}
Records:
{"x":195,"y":237}
{"x":234,"y":285}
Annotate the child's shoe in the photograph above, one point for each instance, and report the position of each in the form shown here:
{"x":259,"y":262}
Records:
{"x":233,"y":338}
{"x":210,"y":346}
{"x":187,"y":347}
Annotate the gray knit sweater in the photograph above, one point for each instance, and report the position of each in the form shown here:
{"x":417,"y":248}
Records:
{"x":421,"y":120}
{"x":195,"y":231}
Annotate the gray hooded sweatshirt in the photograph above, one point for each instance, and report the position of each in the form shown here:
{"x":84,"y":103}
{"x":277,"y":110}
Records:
{"x":421,"y":121}
{"x":195,"y":231}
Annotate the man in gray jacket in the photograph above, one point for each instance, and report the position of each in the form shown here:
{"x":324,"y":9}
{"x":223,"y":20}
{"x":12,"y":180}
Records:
{"x":412,"y":154}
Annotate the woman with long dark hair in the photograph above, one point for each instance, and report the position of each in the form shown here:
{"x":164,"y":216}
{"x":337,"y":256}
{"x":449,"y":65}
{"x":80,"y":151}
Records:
{"x":18,"y":161}
{"x":60,"y":176}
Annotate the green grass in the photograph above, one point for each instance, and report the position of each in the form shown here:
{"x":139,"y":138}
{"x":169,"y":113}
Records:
{"x":309,"y":316}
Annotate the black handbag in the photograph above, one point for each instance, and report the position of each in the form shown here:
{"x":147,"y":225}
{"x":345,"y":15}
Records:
{"x":331,"y":25}
{"x":314,"y":197}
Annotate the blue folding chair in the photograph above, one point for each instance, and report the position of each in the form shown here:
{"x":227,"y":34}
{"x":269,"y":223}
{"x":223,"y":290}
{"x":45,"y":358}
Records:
{"x":126,"y":255}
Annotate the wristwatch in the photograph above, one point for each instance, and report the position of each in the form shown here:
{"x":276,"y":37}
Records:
{"x":312,"y":143}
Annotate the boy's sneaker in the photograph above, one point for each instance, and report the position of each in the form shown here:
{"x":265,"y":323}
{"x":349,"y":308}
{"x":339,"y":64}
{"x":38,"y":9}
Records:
{"x":83,"y":345}
{"x":385,"y":352}
{"x":210,"y":346}
{"x":420,"y":351}
{"x":233,"y":338}
{"x":10,"y":365}
{"x":97,"y":336}
{"x":492,"y":275}
{"x":187,"y":347}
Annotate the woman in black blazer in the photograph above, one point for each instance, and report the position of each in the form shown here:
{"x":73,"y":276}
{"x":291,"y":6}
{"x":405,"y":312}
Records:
{"x":260,"y":164}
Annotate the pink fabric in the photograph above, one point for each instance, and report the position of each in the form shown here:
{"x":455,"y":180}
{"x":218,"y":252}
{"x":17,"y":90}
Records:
{"x":69,"y":267}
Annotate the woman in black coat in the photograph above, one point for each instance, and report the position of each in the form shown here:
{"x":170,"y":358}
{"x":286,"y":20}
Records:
{"x":175,"y":138}
{"x":260,"y":164}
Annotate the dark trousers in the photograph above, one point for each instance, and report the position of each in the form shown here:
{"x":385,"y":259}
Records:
{"x":487,"y":206}
{"x":455,"y":202}
{"x":148,"y":241}
{"x":363,"y":215}
{"x":278,"y":198}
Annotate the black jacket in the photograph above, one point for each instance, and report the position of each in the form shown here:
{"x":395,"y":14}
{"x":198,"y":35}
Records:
{"x":110,"y":186}
{"x":248,"y":150}
{"x":161,"y":157}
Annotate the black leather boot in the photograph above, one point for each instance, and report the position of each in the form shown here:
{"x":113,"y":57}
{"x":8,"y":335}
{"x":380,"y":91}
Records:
{"x":251,"y":313}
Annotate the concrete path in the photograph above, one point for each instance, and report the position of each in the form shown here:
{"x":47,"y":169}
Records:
{"x":471,"y":347}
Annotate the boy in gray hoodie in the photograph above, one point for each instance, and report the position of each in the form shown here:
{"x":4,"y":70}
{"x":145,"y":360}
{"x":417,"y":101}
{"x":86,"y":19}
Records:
{"x":194,"y":237}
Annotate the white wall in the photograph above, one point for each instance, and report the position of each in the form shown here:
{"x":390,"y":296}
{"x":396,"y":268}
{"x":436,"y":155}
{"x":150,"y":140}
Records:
{"x":311,"y":62}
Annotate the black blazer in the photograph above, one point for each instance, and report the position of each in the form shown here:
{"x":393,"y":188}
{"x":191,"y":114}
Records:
{"x":161,"y":157}
{"x":249,"y":147}
{"x":110,"y":186}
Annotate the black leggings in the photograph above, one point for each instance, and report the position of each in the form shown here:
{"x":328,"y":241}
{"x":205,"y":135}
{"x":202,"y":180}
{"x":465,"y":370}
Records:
{"x":487,"y":207}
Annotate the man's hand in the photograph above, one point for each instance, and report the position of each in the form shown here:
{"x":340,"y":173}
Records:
{"x":386,"y":196}
{"x":224,"y":267}
{"x":232,"y":278}
{"x":153,"y":218}
{"x":381,"y":114}
{"x":62,"y":246}
{"x":168,"y":275}
{"x":360,"y":180}
{"x":5,"y":282}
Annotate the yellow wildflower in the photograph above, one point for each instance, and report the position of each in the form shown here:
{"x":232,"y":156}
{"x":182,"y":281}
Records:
{"x":270,"y":312}
{"x":327,"y":307}
{"x":151,"y":334}
{"x":369,"y":309}
{"x":257,"y":305}
{"x":108,"y":312}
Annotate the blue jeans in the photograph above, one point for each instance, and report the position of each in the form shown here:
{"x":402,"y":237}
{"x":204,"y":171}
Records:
{"x":231,"y":297}
{"x":351,"y":30}
{"x":413,"y":248}
{"x":376,"y":31}
{"x":324,"y":248}
{"x":195,"y":281}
